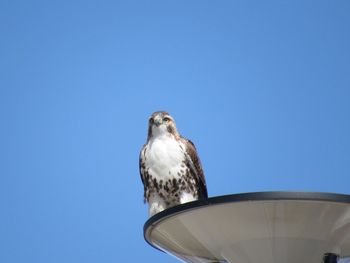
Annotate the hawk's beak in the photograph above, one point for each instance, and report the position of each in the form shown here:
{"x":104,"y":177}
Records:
{"x":158,"y":121}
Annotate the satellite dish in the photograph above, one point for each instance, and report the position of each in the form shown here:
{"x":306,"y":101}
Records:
{"x":265,"y":227}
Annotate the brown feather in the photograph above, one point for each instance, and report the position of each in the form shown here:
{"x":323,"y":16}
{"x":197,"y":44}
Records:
{"x":143,"y":172}
{"x":196,"y":167}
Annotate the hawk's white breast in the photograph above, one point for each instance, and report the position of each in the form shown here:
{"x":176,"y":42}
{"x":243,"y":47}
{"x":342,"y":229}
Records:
{"x":164,"y":157}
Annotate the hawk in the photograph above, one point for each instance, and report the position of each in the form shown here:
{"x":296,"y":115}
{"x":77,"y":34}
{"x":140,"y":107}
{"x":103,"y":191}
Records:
{"x":170,"y":169}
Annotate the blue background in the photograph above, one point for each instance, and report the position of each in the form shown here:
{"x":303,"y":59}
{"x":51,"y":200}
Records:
{"x":261,"y":87}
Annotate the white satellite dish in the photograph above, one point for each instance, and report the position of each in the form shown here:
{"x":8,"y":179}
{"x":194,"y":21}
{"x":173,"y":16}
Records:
{"x":266,"y":227}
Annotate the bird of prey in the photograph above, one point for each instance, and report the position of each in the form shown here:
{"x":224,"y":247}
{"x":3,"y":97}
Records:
{"x":170,"y":168}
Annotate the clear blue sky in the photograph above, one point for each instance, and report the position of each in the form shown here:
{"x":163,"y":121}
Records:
{"x":261,"y":87}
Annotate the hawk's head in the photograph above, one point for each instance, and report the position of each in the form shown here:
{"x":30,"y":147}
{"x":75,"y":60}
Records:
{"x":161,"y":123}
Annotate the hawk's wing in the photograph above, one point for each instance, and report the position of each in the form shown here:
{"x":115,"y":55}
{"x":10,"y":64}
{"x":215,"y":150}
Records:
{"x":195,"y":167}
{"x":142,"y":168}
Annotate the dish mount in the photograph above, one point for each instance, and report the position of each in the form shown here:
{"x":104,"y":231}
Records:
{"x":263,"y":227}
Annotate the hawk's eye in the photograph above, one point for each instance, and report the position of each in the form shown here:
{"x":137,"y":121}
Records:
{"x":151,"y":120}
{"x":166,"y":119}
